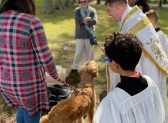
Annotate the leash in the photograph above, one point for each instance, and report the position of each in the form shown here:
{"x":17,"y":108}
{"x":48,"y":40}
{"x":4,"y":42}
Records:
{"x":72,"y":87}
{"x":66,"y":84}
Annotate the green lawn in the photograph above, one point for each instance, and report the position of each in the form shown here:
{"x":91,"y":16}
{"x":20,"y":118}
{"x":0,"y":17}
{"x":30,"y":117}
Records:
{"x":59,"y":29}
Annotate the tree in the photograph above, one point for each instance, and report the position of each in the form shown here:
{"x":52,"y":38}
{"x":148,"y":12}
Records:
{"x":160,"y":3}
{"x":59,"y":5}
{"x":70,"y":2}
{"x":48,"y":6}
{"x":98,"y":1}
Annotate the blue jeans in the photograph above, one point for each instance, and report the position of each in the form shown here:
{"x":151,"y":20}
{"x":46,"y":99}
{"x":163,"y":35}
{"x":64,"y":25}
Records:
{"x":22,"y":116}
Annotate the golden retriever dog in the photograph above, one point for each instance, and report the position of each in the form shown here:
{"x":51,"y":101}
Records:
{"x":80,"y":104}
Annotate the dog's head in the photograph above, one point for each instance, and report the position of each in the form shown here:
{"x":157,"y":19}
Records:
{"x":90,"y":67}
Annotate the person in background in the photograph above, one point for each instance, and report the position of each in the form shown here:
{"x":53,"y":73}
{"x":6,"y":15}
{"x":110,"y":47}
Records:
{"x":85,"y":16}
{"x":153,"y":61}
{"x":153,"y":16}
{"x":24,"y":59}
{"x":143,"y":5}
{"x":131,"y":2}
{"x":136,"y":97}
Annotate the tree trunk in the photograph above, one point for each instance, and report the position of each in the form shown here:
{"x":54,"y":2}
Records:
{"x":59,"y":5}
{"x":98,"y":1}
{"x":160,"y":3}
{"x":48,"y":6}
{"x":73,"y":2}
{"x":66,"y":3}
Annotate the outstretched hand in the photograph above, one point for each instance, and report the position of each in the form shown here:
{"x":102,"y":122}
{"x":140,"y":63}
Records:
{"x":86,"y":19}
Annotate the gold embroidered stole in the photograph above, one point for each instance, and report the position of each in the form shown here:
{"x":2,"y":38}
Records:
{"x":108,"y":79}
{"x":152,"y":49}
{"x":133,"y":10}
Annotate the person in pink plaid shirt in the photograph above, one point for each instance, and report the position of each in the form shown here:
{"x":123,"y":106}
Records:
{"x":24,"y":58}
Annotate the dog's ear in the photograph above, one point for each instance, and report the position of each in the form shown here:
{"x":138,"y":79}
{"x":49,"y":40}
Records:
{"x":83,"y":68}
{"x":93,"y":71}
{"x":93,"y":68}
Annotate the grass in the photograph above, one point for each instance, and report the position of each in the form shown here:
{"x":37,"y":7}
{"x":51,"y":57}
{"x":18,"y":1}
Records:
{"x":60,"y":28}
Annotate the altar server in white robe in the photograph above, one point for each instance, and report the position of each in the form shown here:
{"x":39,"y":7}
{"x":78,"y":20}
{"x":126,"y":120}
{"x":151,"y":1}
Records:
{"x":136,"y":99}
{"x":153,"y":62}
{"x":153,"y":16}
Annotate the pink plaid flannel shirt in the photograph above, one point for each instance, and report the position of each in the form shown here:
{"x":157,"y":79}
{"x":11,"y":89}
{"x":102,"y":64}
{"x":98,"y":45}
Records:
{"x":24,"y":58}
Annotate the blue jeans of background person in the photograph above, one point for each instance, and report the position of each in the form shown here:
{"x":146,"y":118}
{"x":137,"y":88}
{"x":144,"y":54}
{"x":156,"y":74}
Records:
{"x":22,"y":116}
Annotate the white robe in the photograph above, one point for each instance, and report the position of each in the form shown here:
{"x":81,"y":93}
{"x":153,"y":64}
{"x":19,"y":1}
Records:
{"x":145,"y":66}
{"x":119,"y":107}
{"x":164,"y":40}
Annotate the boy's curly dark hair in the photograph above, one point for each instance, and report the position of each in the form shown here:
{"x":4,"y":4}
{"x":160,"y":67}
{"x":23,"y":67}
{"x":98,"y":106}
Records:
{"x":123,"y":48}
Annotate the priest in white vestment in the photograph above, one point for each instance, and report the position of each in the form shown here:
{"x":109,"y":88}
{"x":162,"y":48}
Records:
{"x":153,"y":62}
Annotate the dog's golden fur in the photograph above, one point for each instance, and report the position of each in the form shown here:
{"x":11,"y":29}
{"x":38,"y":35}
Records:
{"x":78,"y":105}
